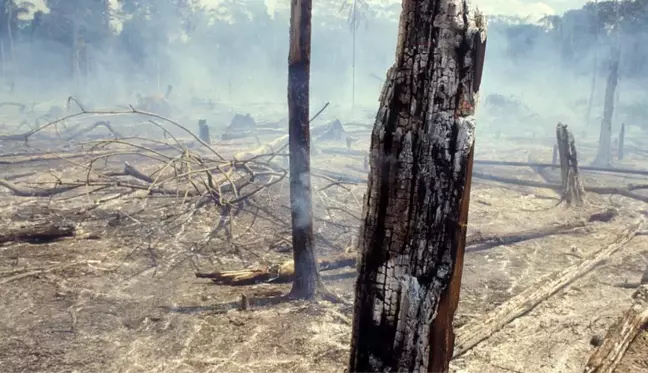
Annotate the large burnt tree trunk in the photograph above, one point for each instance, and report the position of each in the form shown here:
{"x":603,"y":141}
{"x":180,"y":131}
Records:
{"x":307,"y":282}
{"x":416,"y":206}
{"x":604,"y":154}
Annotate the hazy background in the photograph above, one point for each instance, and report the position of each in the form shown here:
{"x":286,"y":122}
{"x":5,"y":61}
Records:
{"x":542,"y":57}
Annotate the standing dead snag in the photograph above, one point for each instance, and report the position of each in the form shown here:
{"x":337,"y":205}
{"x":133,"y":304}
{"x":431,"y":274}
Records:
{"x":307,"y":281}
{"x":416,"y":206}
{"x":573,"y":190}
{"x":621,"y":141}
{"x":604,"y":154}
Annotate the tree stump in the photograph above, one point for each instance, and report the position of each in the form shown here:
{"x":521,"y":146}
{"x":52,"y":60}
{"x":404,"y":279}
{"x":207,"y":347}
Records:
{"x":203,"y":131}
{"x":573,"y":191}
{"x":241,"y":126}
{"x":334,"y":131}
{"x":241,"y":123}
{"x":413,"y":233}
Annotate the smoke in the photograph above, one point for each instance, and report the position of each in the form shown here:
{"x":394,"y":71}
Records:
{"x":538,"y":71}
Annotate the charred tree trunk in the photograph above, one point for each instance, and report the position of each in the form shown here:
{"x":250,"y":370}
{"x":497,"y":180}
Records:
{"x":604,"y":154}
{"x":416,"y":206}
{"x":573,"y":190}
{"x":307,"y":281}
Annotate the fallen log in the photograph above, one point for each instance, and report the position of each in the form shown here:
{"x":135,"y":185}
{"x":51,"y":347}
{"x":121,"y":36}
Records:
{"x":481,"y":242}
{"x":42,"y":233}
{"x":626,"y":192}
{"x":473,"y":333}
{"x":283,"y":272}
{"x":557,"y":187}
{"x":617,"y":340}
{"x":279,"y":273}
{"x":549,"y":165}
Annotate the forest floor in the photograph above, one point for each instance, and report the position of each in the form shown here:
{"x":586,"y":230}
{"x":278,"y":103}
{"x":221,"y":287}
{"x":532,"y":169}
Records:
{"x":123,"y":297}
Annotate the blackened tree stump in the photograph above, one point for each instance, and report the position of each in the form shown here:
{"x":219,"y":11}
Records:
{"x":573,"y":191}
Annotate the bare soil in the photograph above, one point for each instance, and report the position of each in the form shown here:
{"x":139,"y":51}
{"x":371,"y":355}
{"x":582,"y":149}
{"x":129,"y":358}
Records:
{"x":129,"y":301}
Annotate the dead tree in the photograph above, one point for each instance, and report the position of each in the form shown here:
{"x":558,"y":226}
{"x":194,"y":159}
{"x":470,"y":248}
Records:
{"x":307,"y":282}
{"x":413,"y":233}
{"x":621,"y":153}
{"x":573,"y":190}
{"x":604,"y":154}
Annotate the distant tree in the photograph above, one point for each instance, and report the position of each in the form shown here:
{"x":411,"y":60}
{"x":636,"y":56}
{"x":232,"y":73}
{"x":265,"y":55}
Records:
{"x":148,"y":29}
{"x":10,"y":11}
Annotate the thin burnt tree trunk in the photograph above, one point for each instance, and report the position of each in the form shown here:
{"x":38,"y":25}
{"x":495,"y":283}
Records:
{"x":573,"y":191}
{"x":604,"y":154}
{"x":416,"y":206}
{"x":307,"y":280}
{"x":621,"y":153}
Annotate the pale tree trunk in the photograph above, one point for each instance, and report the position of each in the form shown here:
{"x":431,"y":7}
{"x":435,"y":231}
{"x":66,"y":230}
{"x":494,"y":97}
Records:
{"x":604,"y":154}
{"x":10,"y":32}
{"x":416,"y":206}
{"x":594,"y":68}
{"x":307,"y":282}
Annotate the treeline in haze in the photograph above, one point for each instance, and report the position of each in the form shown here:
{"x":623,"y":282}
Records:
{"x":237,"y":51}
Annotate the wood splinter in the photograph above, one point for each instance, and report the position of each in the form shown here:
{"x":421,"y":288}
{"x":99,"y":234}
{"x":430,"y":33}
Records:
{"x":617,"y":340}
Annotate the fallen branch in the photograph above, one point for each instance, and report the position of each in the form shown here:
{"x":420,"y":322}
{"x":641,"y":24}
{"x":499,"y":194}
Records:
{"x":38,"y":271}
{"x":283,"y":272}
{"x":132,"y":171}
{"x":42,"y":233}
{"x":472,"y":334}
{"x":75,"y":132}
{"x":634,"y":285}
{"x":48,"y":192}
{"x":617,"y":340}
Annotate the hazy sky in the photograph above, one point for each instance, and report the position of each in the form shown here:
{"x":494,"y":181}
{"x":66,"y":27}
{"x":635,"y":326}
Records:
{"x":526,"y":7}
{"x":504,"y":7}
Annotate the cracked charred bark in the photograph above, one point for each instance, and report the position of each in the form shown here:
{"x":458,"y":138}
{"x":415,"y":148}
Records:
{"x":307,"y":282}
{"x":416,"y":206}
